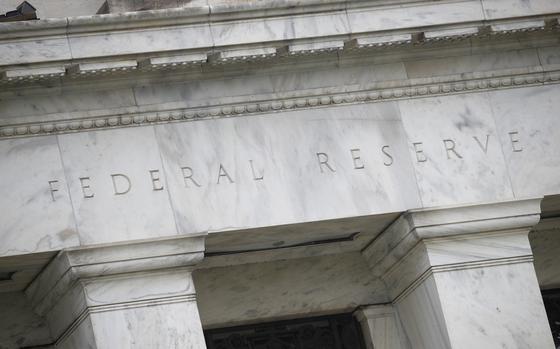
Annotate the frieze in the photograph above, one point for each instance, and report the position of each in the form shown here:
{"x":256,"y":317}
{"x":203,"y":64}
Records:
{"x":223,"y":175}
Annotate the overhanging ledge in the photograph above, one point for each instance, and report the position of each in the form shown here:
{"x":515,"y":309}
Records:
{"x":393,"y":252}
{"x":71,"y":266}
{"x":235,"y":32}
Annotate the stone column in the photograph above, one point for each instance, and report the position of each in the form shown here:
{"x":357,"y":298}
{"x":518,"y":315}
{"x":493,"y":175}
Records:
{"x":136,"y":295}
{"x":381,"y":327}
{"x":463,"y":277}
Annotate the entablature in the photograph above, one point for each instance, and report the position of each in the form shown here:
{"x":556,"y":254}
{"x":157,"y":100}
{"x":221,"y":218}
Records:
{"x":223,"y":35}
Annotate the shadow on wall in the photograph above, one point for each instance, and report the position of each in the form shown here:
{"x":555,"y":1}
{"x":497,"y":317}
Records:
{"x":551,"y":300}
{"x":545,"y":242}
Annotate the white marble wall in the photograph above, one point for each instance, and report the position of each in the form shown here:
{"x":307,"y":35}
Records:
{"x":99,"y":166}
{"x":461,"y":159}
{"x":531,"y":143}
{"x":36,"y":215}
{"x":129,"y":184}
{"x":19,"y":325}
{"x":263,"y":170}
{"x":382,"y":158}
{"x":269,"y":160}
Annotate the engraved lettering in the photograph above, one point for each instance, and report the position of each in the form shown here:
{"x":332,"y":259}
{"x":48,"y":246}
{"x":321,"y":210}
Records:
{"x":86,"y":189}
{"x":420,"y":157}
{"x":156,"y":180}
{"x":256,"y":177}
{"x":358,"y":163}
{"x":124,"y":186}
{"x":389,"y":160}
{"x":485,"y":146}
{"x":188,"y":175}
{"x":324,"y":160}
{"x":450,"y":147}
{"x":53,"y":186}
{"x":513,"y":137}
{"x":223,"y":173}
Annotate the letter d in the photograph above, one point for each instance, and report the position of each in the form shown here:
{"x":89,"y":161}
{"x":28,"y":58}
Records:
{"x":124,"y":182}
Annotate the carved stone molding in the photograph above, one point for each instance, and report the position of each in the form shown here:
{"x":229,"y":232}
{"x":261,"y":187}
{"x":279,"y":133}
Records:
{"x":414,"y":88}
{"x":434,"y":36}
{"x":428,"y":241}
{"x":74,"y":284}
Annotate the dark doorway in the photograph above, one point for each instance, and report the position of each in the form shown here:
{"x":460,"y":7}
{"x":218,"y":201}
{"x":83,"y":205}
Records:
{"x":327,"y":332}
{"x":552,"y":305}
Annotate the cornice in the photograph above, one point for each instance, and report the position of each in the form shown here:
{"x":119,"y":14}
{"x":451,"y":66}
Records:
{"x":403,"y":236}
{"x":15,"y":75}
{"x":77,"y":48}
{"x":423,"y":242}
{"x":380,"y":92}
{"x":221,"y":12}
{"x":72,"y":265}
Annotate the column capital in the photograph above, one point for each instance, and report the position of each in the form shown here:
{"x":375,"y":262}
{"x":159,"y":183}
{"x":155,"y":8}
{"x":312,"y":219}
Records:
{"x":80,"y":281}
{"x":424,"y":240}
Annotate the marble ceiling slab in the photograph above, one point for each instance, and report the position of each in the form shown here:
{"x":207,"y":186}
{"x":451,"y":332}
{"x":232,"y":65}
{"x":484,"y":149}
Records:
{"x":288,"y":288}
{"x":22,"y":327}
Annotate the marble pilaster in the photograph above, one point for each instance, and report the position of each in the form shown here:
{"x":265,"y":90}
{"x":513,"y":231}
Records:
{"x":381,"y":327}
{"x":463,"y":277}
{"x":138,"y":295}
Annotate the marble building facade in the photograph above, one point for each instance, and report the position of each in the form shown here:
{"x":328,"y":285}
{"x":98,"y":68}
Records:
{"x":175,"y":174}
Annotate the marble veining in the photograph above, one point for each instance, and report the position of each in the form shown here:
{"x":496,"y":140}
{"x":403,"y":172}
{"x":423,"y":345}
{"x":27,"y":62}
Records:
{"x":33,"y":220}
{"x":100,"y":165}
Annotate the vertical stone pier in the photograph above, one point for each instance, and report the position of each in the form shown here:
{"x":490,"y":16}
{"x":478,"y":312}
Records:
{"x":463,"y":277}
{"x":138,"y":295}
{"x":381,"y":327}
